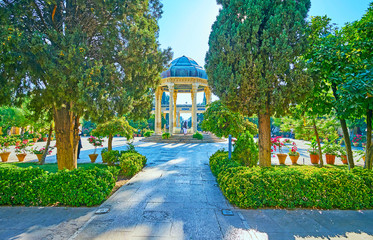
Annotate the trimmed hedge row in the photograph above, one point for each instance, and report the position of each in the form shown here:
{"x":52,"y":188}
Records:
{"x":129,"y":161}
{"x":36,"y":187}
{"x":293,"y":186}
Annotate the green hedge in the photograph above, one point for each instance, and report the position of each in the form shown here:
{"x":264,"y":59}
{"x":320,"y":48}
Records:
{"x":293,"y":186}
{"x":131,"y":163}
{"x":198,"y":136}
{"x":34,"y":186}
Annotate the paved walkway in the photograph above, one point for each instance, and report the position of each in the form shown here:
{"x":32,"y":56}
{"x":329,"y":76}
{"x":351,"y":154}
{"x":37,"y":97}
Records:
{"x":176,"y":197}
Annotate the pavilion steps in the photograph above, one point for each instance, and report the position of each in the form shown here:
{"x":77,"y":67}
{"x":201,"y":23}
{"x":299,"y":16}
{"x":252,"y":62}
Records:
{"x":181,"y":138}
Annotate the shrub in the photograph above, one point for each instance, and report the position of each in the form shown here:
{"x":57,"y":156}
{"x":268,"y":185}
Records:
{"x":148,"y":133}
{"x":219,"y":161}
{"x":131,"y":163}
{"x":198,"y":136}
{"x":166,"y":135}
{"x":34,"y":186}
{"x":110,"y":157}
{"x":293,"y":186}
{"x":246,"y":150}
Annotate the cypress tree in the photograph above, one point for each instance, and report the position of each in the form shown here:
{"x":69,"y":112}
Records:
{"x":253,"y":62}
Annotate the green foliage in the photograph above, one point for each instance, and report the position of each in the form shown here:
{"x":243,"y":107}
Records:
{"x":12,"y":117}
{"x":246,"y":150}
{"x":314,"y":149}
{"x":131,"y":163}
{"x":92,"y":60}
{"x":166,"y":135}
{"x":253,"y":58}
{"x":292,"y":187}
{"x":303,"y":127}
{"x":330,"y":147}
{"x":113,"y":127}
{"x":198,"y":135}
{"x":148,"y":133}
{"x":221,"y":121}
{"x":220,"y":161}
{"x":110,"y":157}
{"x":34,"y":186}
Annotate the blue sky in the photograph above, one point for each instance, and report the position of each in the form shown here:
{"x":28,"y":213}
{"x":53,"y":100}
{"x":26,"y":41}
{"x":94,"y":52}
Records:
{"x":186,"y":24}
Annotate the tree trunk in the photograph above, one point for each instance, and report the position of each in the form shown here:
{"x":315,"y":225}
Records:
{"x":265,"y":138}
{"x":369,"y":146}
{"x":67,"y":137}
{"x":346,"y":137}
{"x":110,"y":142}
{"x":47,"y":146}
{"x":318,"y":142}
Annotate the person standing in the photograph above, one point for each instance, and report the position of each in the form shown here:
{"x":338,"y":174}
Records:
{"x":185,"y":127}
{"x":80,"y":141}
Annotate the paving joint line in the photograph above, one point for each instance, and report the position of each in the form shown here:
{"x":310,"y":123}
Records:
{"x":244,"y":222}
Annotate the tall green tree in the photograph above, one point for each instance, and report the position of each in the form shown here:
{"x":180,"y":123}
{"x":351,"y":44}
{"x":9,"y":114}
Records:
{"x":113,"y":127}
{"x":90,"y":59}
{"x":254,"y":63}
{"x":357,"y":89}
{"x":222,"y":121}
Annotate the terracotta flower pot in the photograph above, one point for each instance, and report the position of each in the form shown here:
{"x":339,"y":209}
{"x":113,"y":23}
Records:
{"x":344,"y":159}
{"x":21,"y":156}
{"x":34,"y":140}
{"x":330,"y":159}
{"x":356,"y":144}
{"x":39,"y":156}
{"x":4,"y":156}
{"x":45,"y":139}
{"x":6,"y":144}
{"x":281,"y":157}
{"x":314,"y":158}
{"x":93,"y":157}
{"x":294,"y":159}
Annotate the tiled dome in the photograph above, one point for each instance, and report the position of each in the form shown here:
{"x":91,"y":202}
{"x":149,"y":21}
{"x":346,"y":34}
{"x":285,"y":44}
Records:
{"x":184,"y":67}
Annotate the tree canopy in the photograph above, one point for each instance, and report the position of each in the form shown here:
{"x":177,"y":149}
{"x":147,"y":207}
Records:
{"x":221,"y":121}
{"x":254,"y":63}
{"x":80,"y":59}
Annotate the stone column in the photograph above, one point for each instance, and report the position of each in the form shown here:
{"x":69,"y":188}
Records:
{"x":194,"y":107}
{"x":171,"y":89}
{"x":158,"y":111}
{"x":178,"y":119}
{"x":208,"y":95}
{"x":175,"y":116}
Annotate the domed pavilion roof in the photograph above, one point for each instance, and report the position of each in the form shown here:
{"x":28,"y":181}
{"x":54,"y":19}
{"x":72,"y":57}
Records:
{"x":184,"y":67}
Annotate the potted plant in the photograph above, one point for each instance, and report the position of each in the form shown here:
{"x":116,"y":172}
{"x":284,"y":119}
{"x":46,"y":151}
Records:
{"x":21,"y":150}
{"x":4,"y":153}
{"x":342,"y":154}
{"x":293,"y":154}
{"x":277,"y":144}
{"x":356,"y":140}
{"x":39,"y":152}
{"x":314,"y":151}
{"x":330,"y":149}
{"x":95,"y":141}
{"x":45,"y":137}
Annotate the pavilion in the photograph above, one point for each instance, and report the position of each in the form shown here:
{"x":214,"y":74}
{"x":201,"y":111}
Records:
{"x":184,"y":76}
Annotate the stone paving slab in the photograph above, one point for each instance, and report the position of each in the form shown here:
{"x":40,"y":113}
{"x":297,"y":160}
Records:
{"x":42,"y":222}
